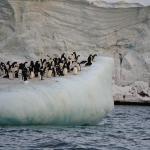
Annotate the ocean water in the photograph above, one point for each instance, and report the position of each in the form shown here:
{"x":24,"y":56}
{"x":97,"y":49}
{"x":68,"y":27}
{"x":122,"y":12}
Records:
{"x":126,"y":128}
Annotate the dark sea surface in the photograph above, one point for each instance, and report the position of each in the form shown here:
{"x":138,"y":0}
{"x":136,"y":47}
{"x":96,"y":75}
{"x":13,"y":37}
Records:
{"x":126,"y":128}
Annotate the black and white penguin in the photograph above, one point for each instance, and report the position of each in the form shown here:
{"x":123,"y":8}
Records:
{"x":25,"y":73}
{"x":11,"y":74}
{"x":16,"y":70}
{"x":31,"y":70}
{"x":42,"y":70}
{"x":65,"y":70}
{"x":7,"y":68}
{"x":78,"y":66}
{"x":77,"y":58}
{"x":59,"y":70}
{"x":54,"y":72}
{"x":89,"y":61}
{"x":37,"y":68}
{"x":75,"y":70}
{"x":49,"y":73}
{"x":1,"y":69}
{"x":74,"y":56}
{"x":68,"y":66}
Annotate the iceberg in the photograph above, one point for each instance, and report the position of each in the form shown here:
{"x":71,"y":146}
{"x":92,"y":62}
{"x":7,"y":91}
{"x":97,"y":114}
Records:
{"x":82,"y":99}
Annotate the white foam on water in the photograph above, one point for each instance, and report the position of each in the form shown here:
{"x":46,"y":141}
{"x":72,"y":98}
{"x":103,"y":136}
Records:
{"x":72,"y":100}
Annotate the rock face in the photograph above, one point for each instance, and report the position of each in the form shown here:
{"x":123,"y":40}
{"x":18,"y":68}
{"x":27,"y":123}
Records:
{"x":37,"y":27}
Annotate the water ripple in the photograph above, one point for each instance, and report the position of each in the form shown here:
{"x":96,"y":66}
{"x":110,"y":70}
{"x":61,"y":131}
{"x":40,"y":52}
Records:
{"x":126,"y":128}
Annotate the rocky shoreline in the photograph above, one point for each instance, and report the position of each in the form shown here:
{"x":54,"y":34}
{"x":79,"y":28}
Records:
{"x":131,"y":103}
{"x":134,"y":94}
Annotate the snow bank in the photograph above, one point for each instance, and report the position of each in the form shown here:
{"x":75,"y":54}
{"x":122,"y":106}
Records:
{"x":72,"y":100}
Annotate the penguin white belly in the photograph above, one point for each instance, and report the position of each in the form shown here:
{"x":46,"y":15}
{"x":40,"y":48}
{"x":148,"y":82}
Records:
{"x":39,"y":75}
{"x":32,"y":75}
{"x":1,"y":72}
{"x":46,"y":73}
{"x":20,"y":71}
{"x":75,"y":71}
{"x":78,"y":67}
{"x":49,"y":74}
{"x":61,"y":65}
{"x":11,"y":76}
{"x":65,"y":71}
{"x":15,"y":69}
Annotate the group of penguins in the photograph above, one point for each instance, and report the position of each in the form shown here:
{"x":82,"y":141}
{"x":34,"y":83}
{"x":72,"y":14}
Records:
{"x":51,"y":67}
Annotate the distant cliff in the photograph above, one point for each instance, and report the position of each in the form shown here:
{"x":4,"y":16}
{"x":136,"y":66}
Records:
{"x":37,"y":27}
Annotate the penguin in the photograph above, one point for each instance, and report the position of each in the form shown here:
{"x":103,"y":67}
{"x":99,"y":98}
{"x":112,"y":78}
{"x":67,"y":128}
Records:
{"x":54,"y":72}
{"x":25,"y":74}
{"x":89,"y":61}
{"x":75,"y":70}
{"x":11,"y":76}
{"x":21,"y":66}
{"x":59,"y":70}
{"x":31,"y":70}
{"x":49,"y":73}
{"x":12,"y":69}
{"x":78,"y":67}
{"x":8,"y":66}
{"x":42,"y":71}
{"x":65,"y":71}
{"x":1,"y":70}
{"x":68,"y":66}
{"x":74,"y":55}
{"x":61,"y":64}
{"x":32,"y":75}
{"x":63,"y":57}
{"x":16,"y":70}
{"x":77,"y":57}
{"x":36,"y":68}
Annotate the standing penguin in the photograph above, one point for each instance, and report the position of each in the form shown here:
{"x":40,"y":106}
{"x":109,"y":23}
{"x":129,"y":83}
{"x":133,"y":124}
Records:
{"x":54,"y":72}
{"x":11,"y":75}
{"x":75,"y":70}
{"x":25,"y":73}
{"x":89,"y":61}
{"x":36,"y":68}
{"x":32,"y":75}
{"x":78,"y":67}
{"x":65,"y":71}
{"x":42,"y":71}
{"x":49,"y":73}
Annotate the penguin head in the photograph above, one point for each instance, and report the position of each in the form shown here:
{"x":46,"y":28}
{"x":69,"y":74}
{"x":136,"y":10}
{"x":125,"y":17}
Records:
{"x":8,"y":63}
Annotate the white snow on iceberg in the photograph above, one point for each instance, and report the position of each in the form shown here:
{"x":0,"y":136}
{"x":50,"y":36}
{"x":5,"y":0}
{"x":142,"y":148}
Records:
{"x":72,"y":100}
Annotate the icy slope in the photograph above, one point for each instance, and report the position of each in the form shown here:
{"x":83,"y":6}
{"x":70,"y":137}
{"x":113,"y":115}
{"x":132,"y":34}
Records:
{"x":78,"y":100}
